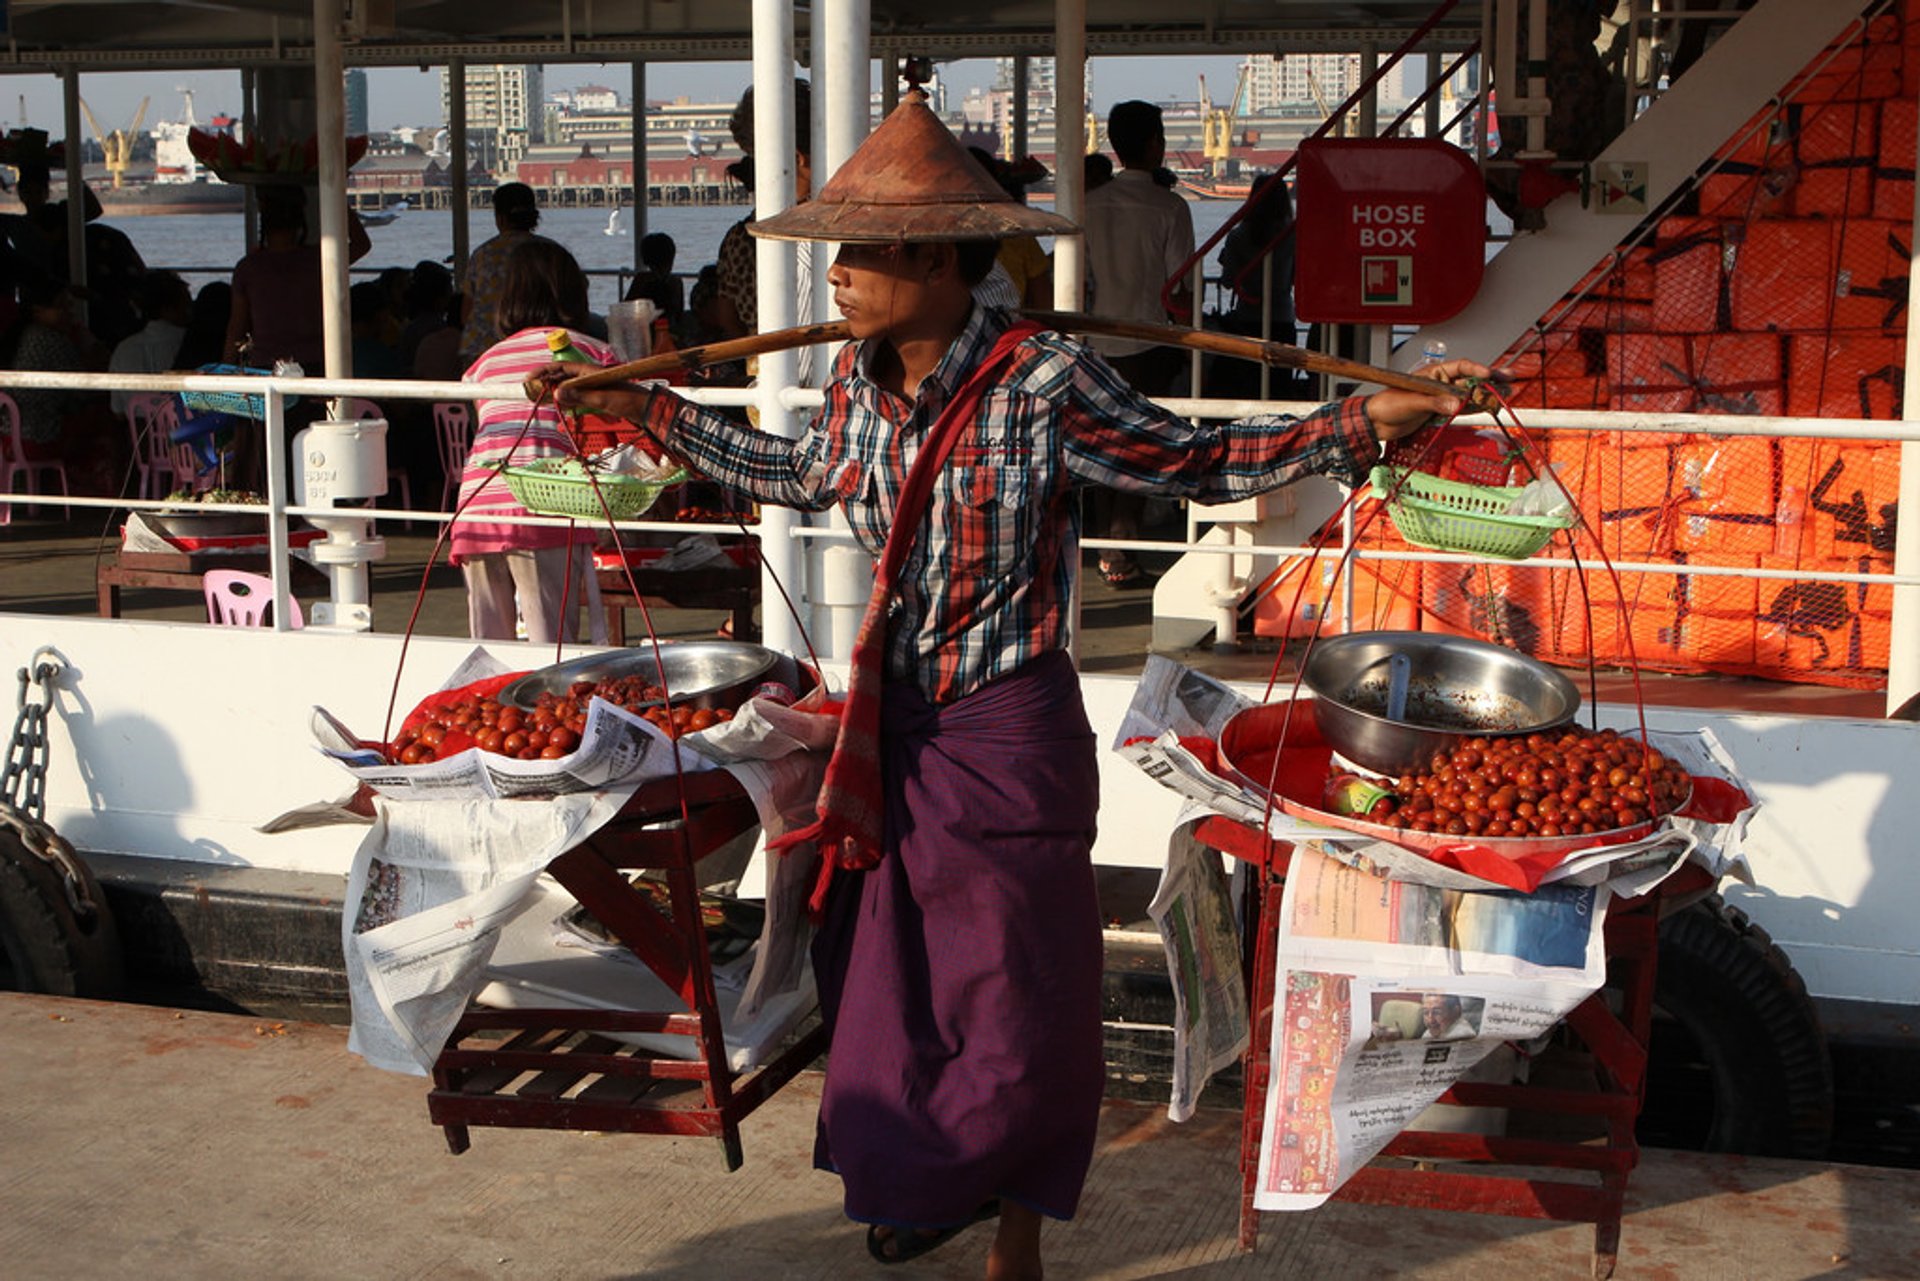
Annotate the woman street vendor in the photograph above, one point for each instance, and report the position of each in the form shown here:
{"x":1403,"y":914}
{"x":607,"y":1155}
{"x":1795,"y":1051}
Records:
{"x":959,"y":958}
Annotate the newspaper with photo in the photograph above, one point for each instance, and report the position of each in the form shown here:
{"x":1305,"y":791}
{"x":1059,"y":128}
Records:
{"x":1387,"y":992}
{"x":1396,"y":975}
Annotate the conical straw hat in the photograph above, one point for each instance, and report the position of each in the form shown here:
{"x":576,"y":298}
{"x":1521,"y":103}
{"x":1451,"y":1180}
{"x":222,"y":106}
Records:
{"x":911,"y":180}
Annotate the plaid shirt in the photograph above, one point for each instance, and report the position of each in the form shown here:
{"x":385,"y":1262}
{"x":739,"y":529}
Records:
{"x":990,"y":578}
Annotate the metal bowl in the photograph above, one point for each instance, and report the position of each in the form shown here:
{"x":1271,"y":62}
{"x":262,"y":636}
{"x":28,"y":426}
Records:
{"x":710,"y":673}
{"x":1456,"y":689}
{"x":185,"y":524}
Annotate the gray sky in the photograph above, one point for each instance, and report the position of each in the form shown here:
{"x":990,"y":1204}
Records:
{"x":408,"y":96}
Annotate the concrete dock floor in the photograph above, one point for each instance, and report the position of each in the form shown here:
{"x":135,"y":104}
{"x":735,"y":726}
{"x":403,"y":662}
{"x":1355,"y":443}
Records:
{"x":144,"y":1141}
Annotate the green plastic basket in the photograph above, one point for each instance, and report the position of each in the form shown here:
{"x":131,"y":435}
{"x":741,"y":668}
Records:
{"x":1452,"y":516}
{"x":564,"y":487}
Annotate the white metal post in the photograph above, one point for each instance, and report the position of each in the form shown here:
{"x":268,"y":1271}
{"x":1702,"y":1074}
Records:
{"x":1903,"y":663}
{"x":1069,"y":149}
{"x":773,"y":172}
{"x":330,"y":121}
{"x":639,"y":99}
{"x":457,"y":167}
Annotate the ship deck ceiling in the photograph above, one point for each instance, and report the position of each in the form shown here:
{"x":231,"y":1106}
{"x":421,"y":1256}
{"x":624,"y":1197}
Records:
{"x":113,"y":34}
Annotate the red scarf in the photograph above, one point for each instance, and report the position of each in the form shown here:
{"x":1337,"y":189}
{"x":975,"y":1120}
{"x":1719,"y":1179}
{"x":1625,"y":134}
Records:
{"x":851,"y":804}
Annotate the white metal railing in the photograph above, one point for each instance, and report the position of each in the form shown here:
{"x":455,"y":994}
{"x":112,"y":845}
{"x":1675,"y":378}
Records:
{"x":276,"y":391}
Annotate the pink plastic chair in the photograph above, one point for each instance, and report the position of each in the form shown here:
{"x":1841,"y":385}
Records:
{"x":353,"y":407}
{"x":236,"y":598}
{"x":453,"y":430}
{"x":151,"y":420}
{"x":14,"y":462}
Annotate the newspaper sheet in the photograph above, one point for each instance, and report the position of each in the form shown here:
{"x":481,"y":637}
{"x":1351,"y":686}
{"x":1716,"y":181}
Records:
{"x":446,"y":865}
{"x":1396,"y":975}
{"x":1193,"y":907}
{"x":1388,"y":991}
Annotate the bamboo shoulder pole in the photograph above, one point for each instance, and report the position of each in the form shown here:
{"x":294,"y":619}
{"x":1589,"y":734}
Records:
{"x":690,"y":359}
{"x":1278,"y":354}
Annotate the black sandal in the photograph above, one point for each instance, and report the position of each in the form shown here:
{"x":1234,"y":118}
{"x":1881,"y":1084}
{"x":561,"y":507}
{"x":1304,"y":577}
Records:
{"x":911,"y":1243}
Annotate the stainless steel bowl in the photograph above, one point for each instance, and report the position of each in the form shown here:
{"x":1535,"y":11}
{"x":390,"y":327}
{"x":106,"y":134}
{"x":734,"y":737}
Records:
{"x":1456,"y":688}
{"x":711,"y":673}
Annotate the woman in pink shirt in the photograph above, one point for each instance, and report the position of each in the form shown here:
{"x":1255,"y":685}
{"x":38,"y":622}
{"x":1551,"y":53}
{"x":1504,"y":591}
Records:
{"x":540,"y":572}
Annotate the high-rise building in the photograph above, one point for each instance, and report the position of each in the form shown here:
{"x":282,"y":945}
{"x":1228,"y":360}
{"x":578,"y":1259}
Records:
{"x":356,"y":102}
{"x":1294,"y":79}
{"x":504,"y":112}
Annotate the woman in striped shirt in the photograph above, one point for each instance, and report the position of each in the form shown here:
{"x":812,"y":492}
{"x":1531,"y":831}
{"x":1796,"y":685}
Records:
{"x":542,"y":573}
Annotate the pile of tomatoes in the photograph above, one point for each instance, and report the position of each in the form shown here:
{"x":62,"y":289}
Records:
{"x":636,"y":695}
{"x":1562,"y":783}
{"x":549,"y":731}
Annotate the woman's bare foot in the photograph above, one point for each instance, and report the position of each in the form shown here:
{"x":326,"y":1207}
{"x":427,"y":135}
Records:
{"x":1015,"y":1254}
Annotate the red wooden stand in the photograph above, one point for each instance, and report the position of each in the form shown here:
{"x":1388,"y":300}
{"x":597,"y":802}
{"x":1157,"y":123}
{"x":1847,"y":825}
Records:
{"x":560,"y":1068}
{"x":1580,"y":1182}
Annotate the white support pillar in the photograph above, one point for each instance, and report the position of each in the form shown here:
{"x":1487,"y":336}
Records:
{"x":839,"y":573}
{"x":330,"y":116}
{"x":76,"y":183}
{"x":773,"y":171}
{"x":1069,"y":148}
{"x":457,"y":166}
{"x":1903,"y":664}
{"x":639,"y":157}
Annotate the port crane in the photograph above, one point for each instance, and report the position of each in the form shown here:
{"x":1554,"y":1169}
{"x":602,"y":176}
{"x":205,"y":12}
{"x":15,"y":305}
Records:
{"x":117,"y":145}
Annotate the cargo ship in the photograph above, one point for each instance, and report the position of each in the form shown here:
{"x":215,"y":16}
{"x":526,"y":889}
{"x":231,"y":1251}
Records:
{"x":178,"y":183}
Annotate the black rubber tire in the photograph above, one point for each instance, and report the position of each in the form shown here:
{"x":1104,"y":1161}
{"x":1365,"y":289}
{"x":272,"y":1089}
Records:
{"x":1738,"y":1061}
{"x":44,"y":945}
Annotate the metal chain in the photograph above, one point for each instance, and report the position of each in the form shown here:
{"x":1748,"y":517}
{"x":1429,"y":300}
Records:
{"x":26,"y":765}
{"x":26,"y":771}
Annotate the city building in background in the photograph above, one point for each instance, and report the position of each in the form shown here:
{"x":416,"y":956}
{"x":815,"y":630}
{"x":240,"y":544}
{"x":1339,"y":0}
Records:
{"x":356,"y":102}
{"x":505,"y":112}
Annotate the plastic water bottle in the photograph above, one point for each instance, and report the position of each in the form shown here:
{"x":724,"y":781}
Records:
{"x":1433,"y":351}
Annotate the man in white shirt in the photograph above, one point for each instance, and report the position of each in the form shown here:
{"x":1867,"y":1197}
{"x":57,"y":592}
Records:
{"x":1138,"y":234}
{"x":167,"y":304}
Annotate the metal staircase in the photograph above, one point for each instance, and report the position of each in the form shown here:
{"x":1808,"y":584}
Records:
{"x":1681,"y":129}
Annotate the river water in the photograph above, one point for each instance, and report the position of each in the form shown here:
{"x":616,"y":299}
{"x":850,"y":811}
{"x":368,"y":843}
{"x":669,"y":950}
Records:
{"x":205,"y":246}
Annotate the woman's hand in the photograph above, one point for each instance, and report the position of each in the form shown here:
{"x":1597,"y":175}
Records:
{"x":1395,"y":413}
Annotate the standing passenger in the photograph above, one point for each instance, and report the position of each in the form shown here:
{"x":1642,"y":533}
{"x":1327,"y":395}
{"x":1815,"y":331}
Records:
{"x":1138,"y":235}
{"x":515,"y":214}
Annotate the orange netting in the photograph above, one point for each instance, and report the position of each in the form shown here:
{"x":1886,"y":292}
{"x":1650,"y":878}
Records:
{"x":1779,"y":288}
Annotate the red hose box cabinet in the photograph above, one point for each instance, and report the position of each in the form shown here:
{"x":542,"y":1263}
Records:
{"x":1390,"y":230}
{"x":1848,"y":374}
